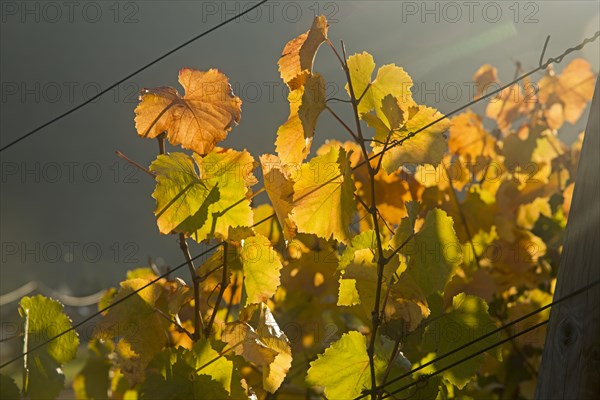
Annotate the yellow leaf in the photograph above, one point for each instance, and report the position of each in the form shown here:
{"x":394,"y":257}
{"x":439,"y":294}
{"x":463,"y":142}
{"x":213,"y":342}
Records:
{"x":280,"y":189}
{"x":298,"y":54}
{"x":485,"y":78}
{"x":425,"y":147}
{"x":294,"y":137}
{"x":324,"y":196}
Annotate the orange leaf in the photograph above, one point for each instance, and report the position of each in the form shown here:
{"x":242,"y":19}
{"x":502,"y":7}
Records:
{"x":298,"y":54}
{"x":198,"y":120}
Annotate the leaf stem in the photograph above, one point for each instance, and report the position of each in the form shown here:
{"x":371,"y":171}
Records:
{"x":130,"y":161}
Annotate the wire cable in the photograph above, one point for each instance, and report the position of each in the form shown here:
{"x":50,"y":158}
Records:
{"x":485,"y":336}
{"x":99,"y":312}
{"x":114,"y":85}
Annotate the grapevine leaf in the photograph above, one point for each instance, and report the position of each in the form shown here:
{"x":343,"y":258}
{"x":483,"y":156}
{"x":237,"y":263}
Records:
{"x":44,"y":319}
{"x":266,"y":346}
{"x":141,"y":328}
{"x":405,"y":308}
{"x":229,"y":173}
{"x":469,"y":139}
{"x":348,"y":294}
{"x":359,"y":250}
{"x":244,"y":340}
{"x":343,"y":369}
{"x":507,"y":106}
{"x":390,"y":80}
{"x":295,"y":136}
{"x":93,"y":381}
{"x":172,"y":375}
{"x":280,"y":189}
{"x":268,"y":329}
{"x":566,"y":96}
{"x":468,"y":320}
{"x":485,"y":79}
{"x":209,"y":362}
{"x":297,"y":58}
{"x":434,"y":252}
{"x":198,"y":120}
{"x":180,"y":193}
{"x":261,"y":266}
{"x":392,"y":191}
{"x":425,"y":147}
{"x":324,"y":196}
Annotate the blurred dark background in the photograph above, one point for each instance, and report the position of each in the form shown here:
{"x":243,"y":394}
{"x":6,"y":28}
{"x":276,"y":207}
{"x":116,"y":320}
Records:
{"x":75,"y":218}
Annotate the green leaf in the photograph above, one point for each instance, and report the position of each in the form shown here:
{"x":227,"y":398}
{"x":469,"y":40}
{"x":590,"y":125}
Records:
{"x":468,"y":320}
{"x":359,"y":250}
{"x":141,"y":329}
{"x":261,"y":266}
{"x":343,"y":369}
{"x":203,"y":204}
{"x":324,"y":196}
{"x":231,"y":172}
{"x":209,"y":362}
{"x":433,"y":253}
{"x":93,"y":381}
{"x":172,"y":375}
{"x":179,"y":193}
{"x":44,"y":319}
{"x":8,"y":388}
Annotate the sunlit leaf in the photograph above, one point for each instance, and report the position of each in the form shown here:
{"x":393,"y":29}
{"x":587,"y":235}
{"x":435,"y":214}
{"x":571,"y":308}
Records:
{"x":566,"y":95}
{"x":323,"y":196}
{"x":434,"y":252}
{"x":343,"y":369}
{"x":297,"y":58}
{"x":43,"y":319}
{"x":172,"y":375}
{"x":199,"y":119}
{"x":467,"y":320}
{"x":138,"y":324}
{"x":280,"y":188}
{"x":93,"y":381}
{"x":261,"y":266}
{"x":425,"y":147}
{"x":231,"y":173}
{"x":180,"y":193}
{"x":295,"y":136}
{"x":390,"y":80}
{"x":266,"y":346}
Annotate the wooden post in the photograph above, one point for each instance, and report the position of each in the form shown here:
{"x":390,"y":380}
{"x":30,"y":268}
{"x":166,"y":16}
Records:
{"x":570,"y":367}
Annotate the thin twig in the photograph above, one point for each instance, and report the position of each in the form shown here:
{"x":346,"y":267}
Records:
{"x":174,"y":322}
{"x":375,"y":317}
{"x":130,"y":161}
{"x":342,"y":123}
{"x":224,"y":282}
{"x":198,"y":321}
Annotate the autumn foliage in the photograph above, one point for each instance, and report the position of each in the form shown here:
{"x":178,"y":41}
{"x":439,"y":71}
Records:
{"x":446,"y":232}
